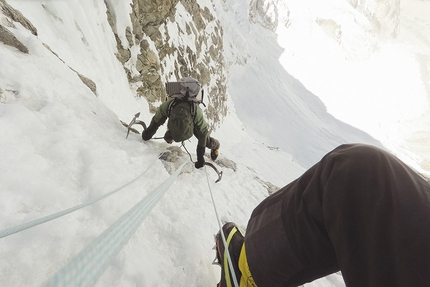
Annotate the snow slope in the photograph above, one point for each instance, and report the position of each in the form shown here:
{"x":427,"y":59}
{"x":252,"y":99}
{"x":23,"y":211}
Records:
{"x":366,"y":77}
{"x":61,"y":146}
{"x":298,"y":121}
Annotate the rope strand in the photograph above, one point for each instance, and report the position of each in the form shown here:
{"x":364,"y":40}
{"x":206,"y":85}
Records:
{"x":230,"y":263}
{"x":183,"y":145}
{"x":86,"y":268}
{"x":26,"y":225}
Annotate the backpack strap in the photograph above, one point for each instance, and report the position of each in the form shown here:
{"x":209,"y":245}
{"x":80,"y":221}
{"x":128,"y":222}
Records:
{"x":171,"y":106}
{"x":203,"y":96}
{"x":193,"y":109}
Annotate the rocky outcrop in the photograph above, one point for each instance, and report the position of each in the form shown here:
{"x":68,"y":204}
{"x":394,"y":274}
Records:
{"x":265,"y":13}
{"x":16,"y":16}
{"x":9,"y":39}
{"x":13,"y":15}
{"x":159,"y":31}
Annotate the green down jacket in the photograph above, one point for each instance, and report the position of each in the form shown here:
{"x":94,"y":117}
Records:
{"x":200,"y":129}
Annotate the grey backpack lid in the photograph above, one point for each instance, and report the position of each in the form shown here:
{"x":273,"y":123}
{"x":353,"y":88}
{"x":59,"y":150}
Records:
{"x":190,"y":85}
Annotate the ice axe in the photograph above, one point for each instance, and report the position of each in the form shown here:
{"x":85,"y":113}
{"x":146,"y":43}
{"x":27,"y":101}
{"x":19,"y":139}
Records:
{"x":216,"y":170}
{"x":219,"y":173}
{"x":135,"y":121}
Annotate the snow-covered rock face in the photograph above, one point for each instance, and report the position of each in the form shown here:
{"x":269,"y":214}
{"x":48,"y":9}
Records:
{"x":161,"y":41}
{"x":169,"y":40}
{"x":265,"y":12}
{"x":355,"y":25}
{"x":166,"y":40}
{"x":369,"y":22}
{"x":383,"y":15}
{"x":13,"y":15}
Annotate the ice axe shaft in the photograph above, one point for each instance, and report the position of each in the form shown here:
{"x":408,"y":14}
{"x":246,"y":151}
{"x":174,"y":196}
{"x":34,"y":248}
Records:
{"x":216,"y":170}
{"x":135,"y":121}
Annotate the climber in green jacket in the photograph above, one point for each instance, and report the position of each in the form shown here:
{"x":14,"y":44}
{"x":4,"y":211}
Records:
{"x":185,"y":119}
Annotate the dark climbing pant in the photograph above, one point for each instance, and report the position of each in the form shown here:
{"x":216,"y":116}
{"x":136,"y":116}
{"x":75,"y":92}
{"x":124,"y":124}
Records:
{"x":359,"y":210}
{"x":211,"y":143}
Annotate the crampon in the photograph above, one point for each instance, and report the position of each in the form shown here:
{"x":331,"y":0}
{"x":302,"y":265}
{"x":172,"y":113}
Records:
{"x":234,"y":240}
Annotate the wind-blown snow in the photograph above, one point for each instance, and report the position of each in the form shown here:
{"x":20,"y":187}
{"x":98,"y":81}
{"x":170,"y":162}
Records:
{"x":61,"y":145}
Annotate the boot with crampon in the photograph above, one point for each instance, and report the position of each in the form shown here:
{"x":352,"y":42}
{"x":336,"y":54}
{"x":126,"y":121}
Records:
{"x":234,"y":240}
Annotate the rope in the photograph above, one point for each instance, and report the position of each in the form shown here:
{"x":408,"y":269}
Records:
{"x":230,"y":262}
{"x":183,"y":145}
{"x":24,"y":226}
{"x":90,"y":263}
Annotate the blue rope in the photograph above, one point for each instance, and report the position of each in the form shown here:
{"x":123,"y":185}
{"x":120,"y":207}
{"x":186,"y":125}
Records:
{"x":230,"y":262}
{"x":24,"y":226}
{"x":89,"y":264}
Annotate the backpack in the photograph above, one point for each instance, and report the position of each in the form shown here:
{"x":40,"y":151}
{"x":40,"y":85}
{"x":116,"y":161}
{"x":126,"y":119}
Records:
{"x":187,"y":89}
{"x":181,"y":116}
{"x":181,"y":120}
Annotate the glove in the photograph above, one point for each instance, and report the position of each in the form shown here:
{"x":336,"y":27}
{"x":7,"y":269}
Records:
{"x":149,"y":132}
{"x":200,"y":159}
{"x":168,"y":137}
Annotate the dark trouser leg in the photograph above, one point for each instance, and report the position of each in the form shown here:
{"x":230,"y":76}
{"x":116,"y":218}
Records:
{"x":359,"y":210}
{"x":212,"y":143}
